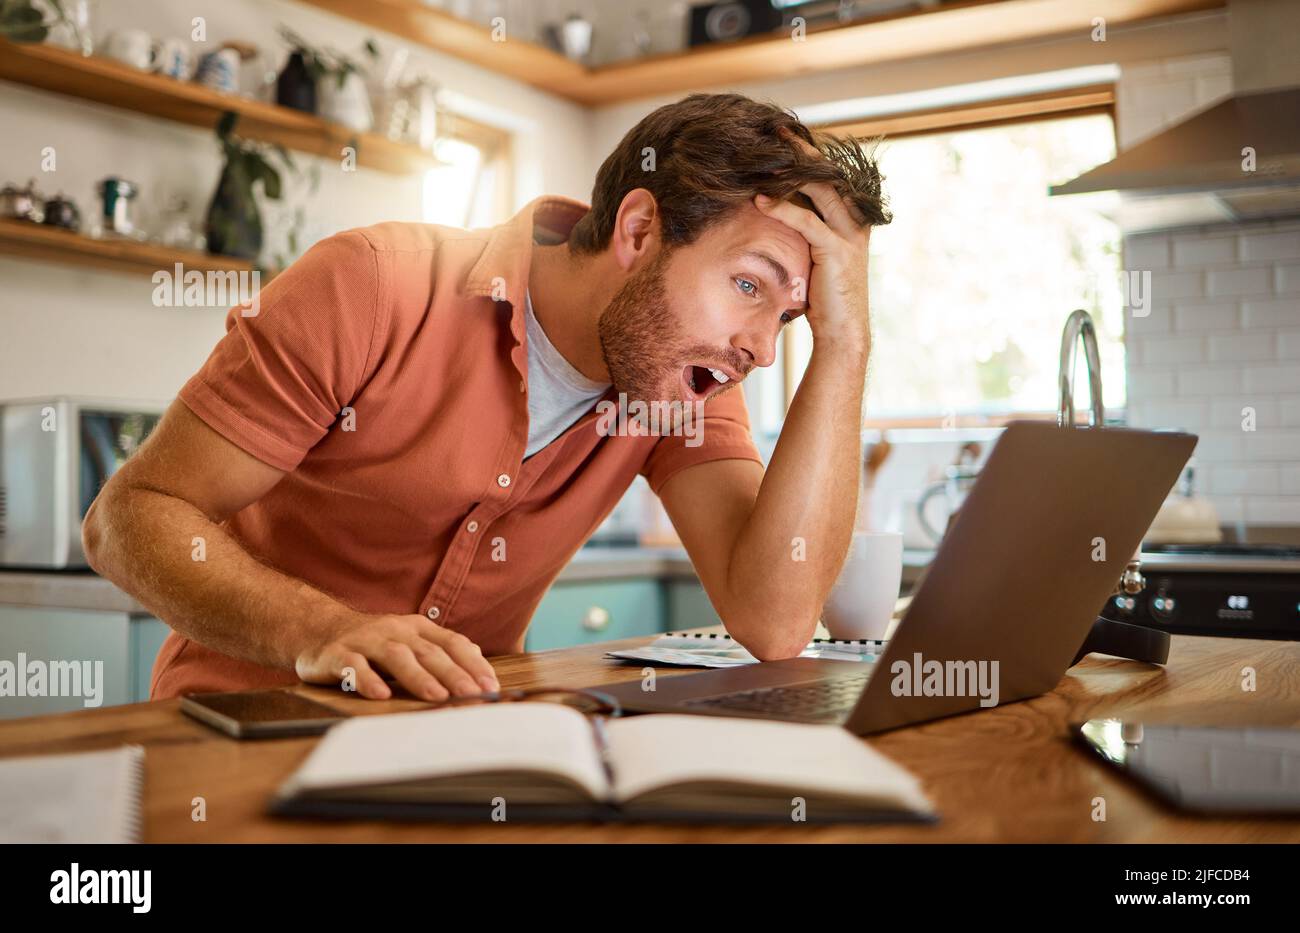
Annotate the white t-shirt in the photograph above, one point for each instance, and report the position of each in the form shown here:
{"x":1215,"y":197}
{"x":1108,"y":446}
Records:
{"x":558,"y":394}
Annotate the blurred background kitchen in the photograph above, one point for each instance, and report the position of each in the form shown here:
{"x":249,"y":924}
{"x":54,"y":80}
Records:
{"x":1042,"y":156}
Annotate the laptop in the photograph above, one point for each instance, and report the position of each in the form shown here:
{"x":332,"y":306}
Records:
{"x":1029,"y":559}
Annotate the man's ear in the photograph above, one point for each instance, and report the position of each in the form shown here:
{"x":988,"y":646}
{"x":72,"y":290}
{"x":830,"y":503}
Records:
{"x":636,"y":228}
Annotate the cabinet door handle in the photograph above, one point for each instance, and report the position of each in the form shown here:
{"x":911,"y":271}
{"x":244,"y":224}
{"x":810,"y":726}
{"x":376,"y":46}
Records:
{"x":595,"y":619}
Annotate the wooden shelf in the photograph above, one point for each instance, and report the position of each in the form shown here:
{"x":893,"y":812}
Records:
{"x":953,"y":27}
{"x":515,"y":58}
{"x":54,"y":244}
{"x":105,"y":81}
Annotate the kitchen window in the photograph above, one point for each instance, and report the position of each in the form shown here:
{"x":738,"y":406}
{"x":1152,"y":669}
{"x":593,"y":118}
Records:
{"x":973,"y":280}
{"x":472,"y":188}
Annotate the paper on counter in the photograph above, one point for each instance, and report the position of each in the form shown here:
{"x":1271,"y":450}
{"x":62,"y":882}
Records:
{"x":722,"y":651}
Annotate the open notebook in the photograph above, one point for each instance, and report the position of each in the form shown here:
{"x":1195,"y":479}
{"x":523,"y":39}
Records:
{"x":83,"y":797}
{"x":546,"y":761}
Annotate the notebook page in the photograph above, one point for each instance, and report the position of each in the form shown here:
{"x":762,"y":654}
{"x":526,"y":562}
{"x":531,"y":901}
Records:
{"x":496,"y":737}
{"x":653,"y":752}
{"x":90,"y":797}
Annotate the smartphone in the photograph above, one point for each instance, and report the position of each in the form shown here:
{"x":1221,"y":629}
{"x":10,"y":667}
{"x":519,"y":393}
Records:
{"x":259,"y":714}
{"x":1204,"y":769}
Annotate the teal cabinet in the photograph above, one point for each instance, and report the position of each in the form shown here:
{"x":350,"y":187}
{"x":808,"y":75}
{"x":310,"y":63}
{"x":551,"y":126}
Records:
{"x":689,"y":606}
{"x":113,"y":650}
{"x":585,"y":613}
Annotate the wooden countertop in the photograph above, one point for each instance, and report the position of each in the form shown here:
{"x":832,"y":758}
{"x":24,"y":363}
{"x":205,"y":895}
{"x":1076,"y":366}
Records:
{"x":1008,"y":774}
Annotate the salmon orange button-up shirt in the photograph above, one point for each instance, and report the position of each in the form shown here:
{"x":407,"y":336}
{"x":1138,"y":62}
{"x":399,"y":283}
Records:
{"x":387,"y":372}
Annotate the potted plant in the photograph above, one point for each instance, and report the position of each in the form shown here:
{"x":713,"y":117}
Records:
{"x":25,"y":21}
{"x":325,"y":81}
{"x":234,"y":220}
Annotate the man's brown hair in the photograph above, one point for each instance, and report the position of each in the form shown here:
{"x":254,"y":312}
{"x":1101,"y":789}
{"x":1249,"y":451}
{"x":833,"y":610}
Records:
{"x":713,"y":152}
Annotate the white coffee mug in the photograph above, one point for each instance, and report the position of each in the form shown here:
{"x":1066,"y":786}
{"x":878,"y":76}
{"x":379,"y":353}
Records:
{"x":172,"y":57}
{"x":861,"y":604}
{"x":133,"y":47}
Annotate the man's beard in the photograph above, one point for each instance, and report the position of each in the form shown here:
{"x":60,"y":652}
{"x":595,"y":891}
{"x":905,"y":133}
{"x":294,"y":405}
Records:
{"x":639,"y":337}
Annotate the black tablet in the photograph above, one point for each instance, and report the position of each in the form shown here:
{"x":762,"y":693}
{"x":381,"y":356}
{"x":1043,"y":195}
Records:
{"x":1207,"y":769}
{"x":261,"y":713}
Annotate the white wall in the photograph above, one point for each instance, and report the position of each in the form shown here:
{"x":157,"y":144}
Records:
{"x":69,"y":331}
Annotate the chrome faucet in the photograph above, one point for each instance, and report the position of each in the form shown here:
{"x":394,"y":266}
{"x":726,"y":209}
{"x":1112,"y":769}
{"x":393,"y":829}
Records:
{"x":1079,"y":324}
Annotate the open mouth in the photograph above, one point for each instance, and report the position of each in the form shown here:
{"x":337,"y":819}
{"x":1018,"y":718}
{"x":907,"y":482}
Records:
{"x":703,"y":381}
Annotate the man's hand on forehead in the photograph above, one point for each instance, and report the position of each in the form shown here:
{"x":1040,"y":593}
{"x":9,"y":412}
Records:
{"x":838,"y":239}
{"x":854,"y":215}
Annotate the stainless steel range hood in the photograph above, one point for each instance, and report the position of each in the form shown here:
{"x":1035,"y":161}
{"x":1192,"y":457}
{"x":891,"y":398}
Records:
{"x":1197,"y":171}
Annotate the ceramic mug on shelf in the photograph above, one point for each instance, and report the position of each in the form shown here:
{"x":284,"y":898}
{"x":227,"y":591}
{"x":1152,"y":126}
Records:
{"x":219,"y":70}
{"x":132,"y":47}
{"x":347,"y":104}
{"x":172,"y":57}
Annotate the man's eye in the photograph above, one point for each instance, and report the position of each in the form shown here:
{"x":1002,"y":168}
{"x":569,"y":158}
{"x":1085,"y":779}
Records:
{"x":746,"y":286}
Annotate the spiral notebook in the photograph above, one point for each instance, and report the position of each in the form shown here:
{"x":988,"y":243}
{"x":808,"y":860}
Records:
{"x":715,"y":649}
{"x":89,"y":797}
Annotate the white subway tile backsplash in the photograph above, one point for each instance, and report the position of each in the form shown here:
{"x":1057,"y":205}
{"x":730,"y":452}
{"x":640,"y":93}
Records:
{"x":1203,"y":315}
{"x":1238,"y":479}
{"x":1146,"y":252}
{"x":1184,"y":414}
{"x":1269,"y":444}
{"x":1288,"y":411}
{"x":1273,"y":510}
{"x":1270,"y":312}
{"x":1288,"y":345}
{"x":1286,"y":278}
{"x":1169,"y":286}
{"x":1219,"y":446}
{"x":1236,"y":411}
{"x":1290,"y":480}
{"x":1173,"y":350}
{"x":1242,"y":347}
{"x":1272,"y":379}
{"x":1159,"y":320}
{"x":1271,"y":245}
{"x":1204,"y":250}
{"x":1239,"y":281}
{"x":1151,"y":383}
{"x":1200,"y":380}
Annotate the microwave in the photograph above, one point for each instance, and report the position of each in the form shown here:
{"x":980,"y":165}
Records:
{"x":55,"y":454}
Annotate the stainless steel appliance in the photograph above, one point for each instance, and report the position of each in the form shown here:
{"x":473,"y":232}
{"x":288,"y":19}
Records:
{"x":55,"y":454}
{"x":1232,"y":590}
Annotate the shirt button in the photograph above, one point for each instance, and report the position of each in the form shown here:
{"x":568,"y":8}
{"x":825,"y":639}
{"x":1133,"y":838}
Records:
{"x":503,"y":480}
{"x":472,"y":527}
{"x":522,"y":387}
{"x":433,"y":613}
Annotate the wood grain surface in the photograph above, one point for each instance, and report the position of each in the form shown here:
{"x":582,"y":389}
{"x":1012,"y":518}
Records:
{"x":1009,"y":774}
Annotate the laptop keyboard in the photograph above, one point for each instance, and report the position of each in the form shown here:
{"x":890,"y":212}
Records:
{"x":824,"y":700}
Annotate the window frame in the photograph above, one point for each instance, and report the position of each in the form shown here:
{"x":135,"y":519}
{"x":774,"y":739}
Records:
{"x":1080,"y":101}
{"x":496,"y":154}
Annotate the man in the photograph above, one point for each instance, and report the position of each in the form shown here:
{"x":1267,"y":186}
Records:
{"x":376,"y":477}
